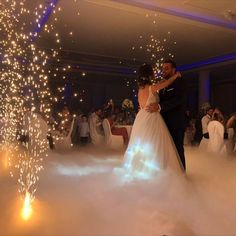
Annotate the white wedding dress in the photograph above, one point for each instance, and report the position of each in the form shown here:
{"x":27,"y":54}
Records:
{"x":151,"y":148}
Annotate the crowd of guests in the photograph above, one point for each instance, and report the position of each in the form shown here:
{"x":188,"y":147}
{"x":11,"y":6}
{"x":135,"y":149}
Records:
{"x":197,"y":127}
{"x":61,"y":123}
{"x":78,"y":125}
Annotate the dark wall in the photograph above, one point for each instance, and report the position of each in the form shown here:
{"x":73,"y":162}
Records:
{"x":223,"y":89}
{"x":99,"y":88}
{"x":191,"y":82}
{"x":94,"y":90}
{"x":223,"y":94}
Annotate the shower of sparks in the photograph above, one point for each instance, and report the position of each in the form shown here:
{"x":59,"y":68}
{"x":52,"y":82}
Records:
{"x":24,"y":85}
{"x":25,"y":98}
{"x":156,"y":47}
{"x":27,"y":209}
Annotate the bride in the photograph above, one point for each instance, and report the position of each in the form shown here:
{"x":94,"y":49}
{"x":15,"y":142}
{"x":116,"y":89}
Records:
{"x":151,"y":148}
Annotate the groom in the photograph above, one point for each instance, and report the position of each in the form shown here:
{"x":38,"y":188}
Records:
{"x":172,"y":107}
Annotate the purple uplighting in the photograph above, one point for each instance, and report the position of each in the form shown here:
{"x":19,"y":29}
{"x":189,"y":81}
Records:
{"x":179,"y":13}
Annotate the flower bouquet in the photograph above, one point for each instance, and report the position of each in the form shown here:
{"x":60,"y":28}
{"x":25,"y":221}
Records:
{"x":128,"y":108}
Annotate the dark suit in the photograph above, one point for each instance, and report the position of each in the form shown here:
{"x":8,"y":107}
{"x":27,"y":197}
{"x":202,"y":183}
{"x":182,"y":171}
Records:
{"x":172,"y":102}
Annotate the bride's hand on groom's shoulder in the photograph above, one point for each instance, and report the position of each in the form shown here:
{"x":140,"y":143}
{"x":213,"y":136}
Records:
{"x":153,"y":107}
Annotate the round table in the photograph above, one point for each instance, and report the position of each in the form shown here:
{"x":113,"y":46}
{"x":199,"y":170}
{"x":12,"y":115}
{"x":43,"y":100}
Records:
{"x":128,"y":128}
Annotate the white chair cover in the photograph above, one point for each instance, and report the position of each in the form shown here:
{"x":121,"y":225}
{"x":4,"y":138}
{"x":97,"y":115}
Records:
{"x":96,"y":138}
{"x":37,"y":130}
{"x":203,"y":144}
{"x":64,"y":143}
{"x":112,"y":141}
{"x":216,"y":142}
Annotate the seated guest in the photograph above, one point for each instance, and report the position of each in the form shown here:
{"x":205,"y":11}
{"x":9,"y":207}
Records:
{"x":231,"y":122}
{"x":23,"y":133}
{"x":118,"y":130}
{"x":205,"y":121}
{"x":51,"y":130}
{"x":220,"y":113}
{"x":109,"y":108}
{"x":75,"y":136}
{"x":84,"y":130}
{"x":65,"y":122}
{"x":231,"y":127}
{"x":96,"y":122}
{"x":189,"y":133}
{"x":198,"y":129}
{"x":119,"y":115}
{"x":35,"y":130}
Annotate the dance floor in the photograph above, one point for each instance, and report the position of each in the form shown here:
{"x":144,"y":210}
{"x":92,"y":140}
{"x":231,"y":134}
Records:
{"x":79,"y":194}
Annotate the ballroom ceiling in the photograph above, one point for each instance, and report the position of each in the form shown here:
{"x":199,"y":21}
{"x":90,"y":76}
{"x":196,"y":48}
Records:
{"x":192,"y":30}
{"x":117,"y":32}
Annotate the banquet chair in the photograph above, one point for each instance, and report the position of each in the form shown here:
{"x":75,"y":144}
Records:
{"x":37,"y":131}
{"x":96,"y":138}
{"x":64,"y":143}
{"x":216,"y":143}
{"x":203,"y":144}
{"x":230,"y":142}
{"x":112,"y":141}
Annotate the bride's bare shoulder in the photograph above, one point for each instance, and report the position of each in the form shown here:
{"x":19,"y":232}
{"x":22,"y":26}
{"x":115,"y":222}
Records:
{"x":143,"y":89}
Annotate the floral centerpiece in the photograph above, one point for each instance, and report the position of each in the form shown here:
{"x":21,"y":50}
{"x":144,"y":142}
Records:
{"x":127,"y":105}
{"x":128,"y":108}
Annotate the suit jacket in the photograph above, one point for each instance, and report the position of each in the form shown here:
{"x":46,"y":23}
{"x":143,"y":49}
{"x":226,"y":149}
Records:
{"x":173,"y":104}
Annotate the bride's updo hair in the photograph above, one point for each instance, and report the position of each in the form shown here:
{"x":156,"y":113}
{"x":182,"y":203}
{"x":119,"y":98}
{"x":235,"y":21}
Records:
{"x":145,"y":74}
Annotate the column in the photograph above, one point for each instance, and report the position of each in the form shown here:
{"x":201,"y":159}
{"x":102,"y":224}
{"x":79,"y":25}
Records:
{"x":204,"y":88}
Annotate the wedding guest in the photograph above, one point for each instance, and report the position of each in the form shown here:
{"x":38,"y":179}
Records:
{"x":65,"y":122}
{"x":109,"y":108}
{"x":205,"y":121}
{"x":84,"y":130}
{"x":198,"y":129}
{"x":189,"y":133}
{"x":95,"y":120}
{"x":231,"y":123}
{"x":119,"y":115}
{"x":231,"y":129}
{"x":219,"y":111}
{"x":75,"y":135}
{"x":23,"y":134}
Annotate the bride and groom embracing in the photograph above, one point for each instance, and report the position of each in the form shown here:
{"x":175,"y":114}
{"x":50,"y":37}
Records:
{"x":156,"y":141}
